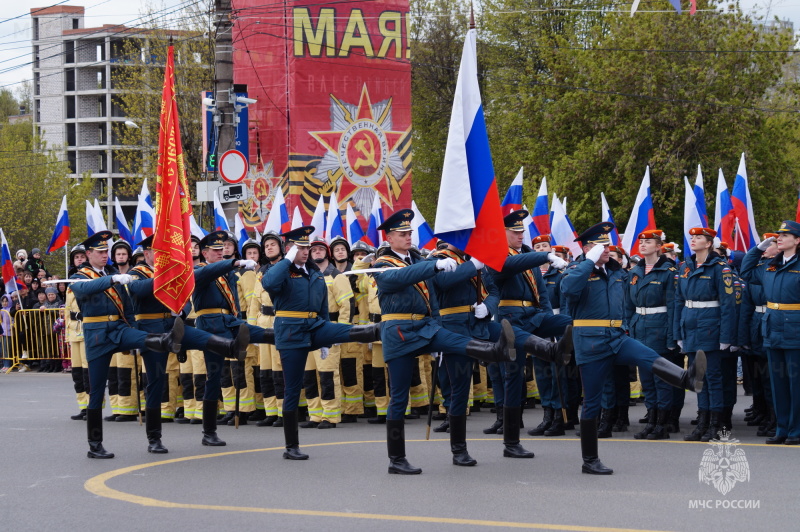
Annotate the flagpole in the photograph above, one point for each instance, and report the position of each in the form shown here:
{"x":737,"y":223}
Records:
{"x":66,"y":260}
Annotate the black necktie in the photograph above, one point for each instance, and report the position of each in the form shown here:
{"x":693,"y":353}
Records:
{"x":408,"y":259}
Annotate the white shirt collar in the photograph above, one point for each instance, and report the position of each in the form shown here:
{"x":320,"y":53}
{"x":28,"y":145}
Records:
{"x":787,"y":259}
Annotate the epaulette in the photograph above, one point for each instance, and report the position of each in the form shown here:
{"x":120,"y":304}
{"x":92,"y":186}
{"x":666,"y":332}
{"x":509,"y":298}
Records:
{"x":673,"y":269}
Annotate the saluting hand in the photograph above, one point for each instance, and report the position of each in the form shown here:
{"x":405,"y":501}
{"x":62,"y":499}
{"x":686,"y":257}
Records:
{"x":766,"y":243}
{"x":595,"y":253}
{"x":291,"y":254}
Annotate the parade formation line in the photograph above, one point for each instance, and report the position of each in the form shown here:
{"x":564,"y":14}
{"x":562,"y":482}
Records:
{"x":98,"y":485}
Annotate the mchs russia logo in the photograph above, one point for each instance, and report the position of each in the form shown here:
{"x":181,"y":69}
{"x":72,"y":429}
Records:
{"x":724,"y":464}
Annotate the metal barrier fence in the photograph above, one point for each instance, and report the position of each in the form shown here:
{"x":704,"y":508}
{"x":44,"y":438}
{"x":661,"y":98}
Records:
{"x":36,"y":336}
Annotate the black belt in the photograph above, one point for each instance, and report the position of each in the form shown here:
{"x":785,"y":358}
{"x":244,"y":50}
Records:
{"x":267,"y":311}
{"x":375,"y":318}
{"x":333,"y":316}
{"x":189,"y":322}
{"x":75,"y":315}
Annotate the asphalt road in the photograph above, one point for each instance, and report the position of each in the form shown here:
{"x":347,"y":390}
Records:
{"x":47,"y":483}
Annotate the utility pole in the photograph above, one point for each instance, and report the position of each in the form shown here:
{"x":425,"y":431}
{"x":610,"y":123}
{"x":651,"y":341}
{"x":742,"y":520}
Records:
{"x":223,"y":84}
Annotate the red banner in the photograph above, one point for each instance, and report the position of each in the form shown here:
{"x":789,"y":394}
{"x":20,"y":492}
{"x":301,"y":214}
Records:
{"x":333,"y":84}
{"x":174,"y":279}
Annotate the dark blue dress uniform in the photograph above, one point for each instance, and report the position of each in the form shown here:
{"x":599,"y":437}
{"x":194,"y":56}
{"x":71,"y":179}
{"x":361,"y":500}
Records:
{"x":216,"y":305}
{"x":649,"y":311}
{"x":409,"y":310}
{"x":705,"y":319}
{"x":107,"y":318}
{"x":300,"y":298}
{"x":596,"y":298}
{"x":780,"y":326}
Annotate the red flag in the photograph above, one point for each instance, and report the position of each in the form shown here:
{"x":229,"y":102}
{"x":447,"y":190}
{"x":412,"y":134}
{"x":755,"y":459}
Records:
{"x":174,"y":280}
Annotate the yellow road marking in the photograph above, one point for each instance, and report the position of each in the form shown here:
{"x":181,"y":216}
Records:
{"x":97,"y":485}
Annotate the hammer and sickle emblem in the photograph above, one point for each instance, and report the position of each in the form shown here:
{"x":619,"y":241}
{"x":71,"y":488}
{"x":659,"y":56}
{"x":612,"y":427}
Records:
{"x":369,"y":154}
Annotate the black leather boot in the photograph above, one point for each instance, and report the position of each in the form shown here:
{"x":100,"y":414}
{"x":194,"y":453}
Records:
{"x":267,"y":421}
{"x":714,"y":426}
{"x":556,"y":428}
{"x":169,"y":342}
{"x":152,"y":424}
{"x":674,"y":422}
{"x":703,"y":417}
{"x":80,"y":416}
{"x":559,"y":352}
{"x":231,"y":348}
{"x":210,"y":437}
{"x":660,"y":431}
{"x":243,"y":417}
{"x":622,"y":423}
{"x":396,"y":445}
{"x":606,"y":423}
{"x":547,"y":420}
{"x":458,"y":441}
{"x":291,"y":438}
{"x":365,"y":334}
{"x":727,"y":418}
{"x":511,"y":422}
{"x":652,"y":415}
{"x":497,"y":426}
{"x":591,"y":462}
{"x":689,"y":379}
{"x":94,"y":431}
{"x":445,"y":426}
{"x":769,"y":424}
{"x":380,"y":419}
{"x":500,"y":351}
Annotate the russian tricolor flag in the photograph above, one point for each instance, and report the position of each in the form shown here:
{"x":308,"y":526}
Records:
{"x":468,"y":214}
{"x":700,"y":197}
{"x":122,"y":223}
{"x":297,"y":218}
{"x":278,"y":219}
{"x":374,"y":236}
{"x":354,"y":231}
{"x":562,"y":232}
{"x":9,"y":275}
{"x":608,"y":216}
{"x":144,"y":220}
{"x":529,"y":227}
{"x":691,"y":214}
{"x":334,"y":222}
{"x":724,"y":217}
{"x":318,"y":220}
{"x":61,"y":232}
{"x":747,"y":236}
{"x":513,"y":199}
{"x":239,"y":231}
{"x":642,"y":218}
{"x":541,"y":214}
{"x":422,"y":237}
{"x":220,"y":221}
{"x":195,"y":228}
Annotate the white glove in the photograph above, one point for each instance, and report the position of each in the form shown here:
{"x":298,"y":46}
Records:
{"x":734,"y":348}
{"x":478,"y":264}
{"x":723,"y":347}
{"x":323,"y":352}
{"x":291,"y":254}
{"x":680,"y":344}
{"x":248,"y":264}
{"x":446,"y":265}
{"x":766,"y":243}
{"x":122,"y":278}
{"x":480,"y":310}
{"x":595,"y":253}
{"x":557,"y":262}
{"x":368,"y":258}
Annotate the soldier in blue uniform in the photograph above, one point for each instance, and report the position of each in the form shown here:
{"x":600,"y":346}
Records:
{"x":153,"y":317}
{"x":216,"y":304}
{"x":300,"y":297}
{"x":705,"y":319}
{"x":595,"y":290}
{"x":409,"y":308}
{"x":107,"y":319}
{"x":467,"y":299}
{"x":525,"y":303}
{"x":649,"y":311}
{"x":780,"y":279}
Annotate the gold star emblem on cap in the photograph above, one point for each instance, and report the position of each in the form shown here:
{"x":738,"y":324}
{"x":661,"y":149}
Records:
{"x":607,"y":228}
{"x":407,"y":215}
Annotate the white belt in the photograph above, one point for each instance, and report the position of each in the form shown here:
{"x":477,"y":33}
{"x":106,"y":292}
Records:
{"x":556,"y":311}
{"x":761,"y":309}
{"x":701,"y":304}
{"x":650,"y":310}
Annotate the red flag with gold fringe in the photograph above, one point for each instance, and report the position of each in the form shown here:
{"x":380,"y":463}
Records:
{"x":173,"y":281}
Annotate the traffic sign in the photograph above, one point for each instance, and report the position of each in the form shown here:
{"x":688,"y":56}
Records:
{"x":228,"y":193}
{"x":233,"y":166}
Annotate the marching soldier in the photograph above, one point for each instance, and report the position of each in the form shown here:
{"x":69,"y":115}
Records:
{"x":706,"y":319}
{"x":594,"y":287}
{"x":779,"y":279}
{"x":363,"y":385}
{"x":409,"y":307}
{"x":153,"y":317}
{"x":125,"y":404}
{"x":72,"y":319}
{"x":107,"y":316}
{"x":216,"y":306}
{"x":300,"y":296}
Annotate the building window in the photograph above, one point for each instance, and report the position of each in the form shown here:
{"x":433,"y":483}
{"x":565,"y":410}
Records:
{"x":102,"y":134}
{"x":71,"y":134}
{"x":102,"y":163}
{"x":36,"y":56}
{"x":75,"y":24}
{"x":35,"y":28}
{"x":72,"y":159}
{"x":69,"y":52}
{"x":101,"y":79}
{"x":70,"y":80}
{"x":101,"y":106}
{"x":38,"y":111}
{"x":37,"y":89}
{"x":101,"y":52}
{"x":71,"y":107}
